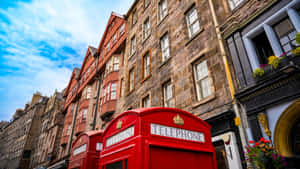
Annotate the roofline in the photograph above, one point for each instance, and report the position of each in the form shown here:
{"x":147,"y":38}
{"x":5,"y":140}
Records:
{"x":131,"y":8}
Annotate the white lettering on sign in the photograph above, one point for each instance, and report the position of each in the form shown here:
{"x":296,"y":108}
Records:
{"x":173,"y":132}
{"x":99,"y":146}
{"x":79,"y":150}
{"x":120,"y":136}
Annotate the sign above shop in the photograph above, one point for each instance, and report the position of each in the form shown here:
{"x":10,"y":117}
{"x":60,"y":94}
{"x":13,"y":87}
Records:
{"x":161,"y":130}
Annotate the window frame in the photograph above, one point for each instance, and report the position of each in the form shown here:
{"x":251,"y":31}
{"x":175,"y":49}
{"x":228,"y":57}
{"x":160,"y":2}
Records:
{"x":143,"y":101}
{"x":134,"y":17}
{"x":162,"y":12}
{"x":200,"y":89}
{"x":234,"y":5}
{"x":144,"y":66}
{"x":130,"y":89}
{"x":171,"y":100}
{"x":190,"y":25}
{"x":132,"y":47}
{"x":113,"y":91}
{"x":165,"y":36}
{"x":146,"y":32}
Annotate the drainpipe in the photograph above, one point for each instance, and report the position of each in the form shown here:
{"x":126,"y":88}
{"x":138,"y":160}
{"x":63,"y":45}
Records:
{"x":97,"y":100}
{"x":73,"y":126}
{"x":228,"y":75}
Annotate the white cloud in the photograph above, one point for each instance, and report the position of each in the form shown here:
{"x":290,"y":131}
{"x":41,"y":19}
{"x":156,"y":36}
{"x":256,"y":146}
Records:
{"x":29,"y":65}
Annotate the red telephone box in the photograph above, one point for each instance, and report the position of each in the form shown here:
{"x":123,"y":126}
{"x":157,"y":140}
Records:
{"x":86,"y":150}
{"x":157,"y":138}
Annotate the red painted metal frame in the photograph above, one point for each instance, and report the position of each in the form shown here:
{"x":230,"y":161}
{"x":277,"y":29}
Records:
{"x":88,"y":159}
{"x":137,"y":148}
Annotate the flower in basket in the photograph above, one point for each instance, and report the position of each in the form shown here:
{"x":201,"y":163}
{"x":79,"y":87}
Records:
{"x":262,"y":155}
{"x":258,"y":72}
{"x":273,"y":61}
{"x":296,"y":51}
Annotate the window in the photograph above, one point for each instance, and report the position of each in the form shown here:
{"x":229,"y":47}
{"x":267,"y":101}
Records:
{"x":89,"y":92}
{"x":107,"y":47}
{"x":146,"y":3}
{"x":114,"y":38}
{"x":116,"y":64}
{"x":168,"y":95}
{"x":262,"y":47}
{"x":131,"y":80}
{"x":113,"y":92}
{"x":146,"y":65}
{"x":192,"y":21}
{"x":165,"y":51}
{"x":146,"y":101}
{"x":202,"y":81}
{"x":117,"y":165}
{"x":134,"y":17}
{"x":146,"y":28}
{"x":84,"y":112}
{"x":133,"y":45}
{"x":162,"y":9}
{"x":107,"y":92}
{"x":234,"y":3}
{"x":286,"y":34}
{"x":122,"y":29}
{"x":69,"y":130}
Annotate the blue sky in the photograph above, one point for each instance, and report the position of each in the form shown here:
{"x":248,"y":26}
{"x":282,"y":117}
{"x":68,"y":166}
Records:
{"x":41,"y":41}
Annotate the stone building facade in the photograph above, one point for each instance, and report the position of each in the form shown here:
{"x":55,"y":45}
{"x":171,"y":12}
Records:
{"x":21,"y":133}
{"x":47,"y":143}
{"x":254,"y":31}
{"x":173,"y":58}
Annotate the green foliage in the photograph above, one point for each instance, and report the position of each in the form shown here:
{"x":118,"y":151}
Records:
{"x":298,"y":38}
{"x":258,"y":72}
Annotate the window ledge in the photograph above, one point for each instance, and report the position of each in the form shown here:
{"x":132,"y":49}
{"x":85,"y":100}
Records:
{"x":194,"y":37}
{"x":131,"y":55}
{"x":165,"y":62}
{"x":205,"y":100}
{"x":145,"y":39}
{"x":147,"y":77}
{"x":161,"y":20}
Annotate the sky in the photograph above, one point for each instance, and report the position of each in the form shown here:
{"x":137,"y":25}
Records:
{"x":41,"y":41}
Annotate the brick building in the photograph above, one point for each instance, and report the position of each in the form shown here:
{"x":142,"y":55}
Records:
{"x":47,"y":143}
{"x":21,"y":133}
{"x":173,"y":58}
{"x":254,"y":31}
{"x":92,"y":90}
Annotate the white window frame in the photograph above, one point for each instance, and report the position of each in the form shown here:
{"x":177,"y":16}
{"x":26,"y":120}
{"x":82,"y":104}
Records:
{"x":88,"y":92}
{"x":168,"y":98}
{"x":146,"y":64}
{"x":146,"y":28}
{"x":234,"y":3}
{"x":115,"y":63}
{"x":190,"y":24}
{"x":107,"y":47}
{"x":200,"y":81}
{"x":146,"y":101}
{"x":113,"y":91}
{"x":114,"y":40}
{"x":134,"y":17}
{"x":132,"y":45}
{"x":131,"y":80}
{"x":165,"y":47}
{"x":266,"y":26}
{"x":163,"y":12}
{"x":122,"y":29}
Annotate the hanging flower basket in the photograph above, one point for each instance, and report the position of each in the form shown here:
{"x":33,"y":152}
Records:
{"x":263,"y":156}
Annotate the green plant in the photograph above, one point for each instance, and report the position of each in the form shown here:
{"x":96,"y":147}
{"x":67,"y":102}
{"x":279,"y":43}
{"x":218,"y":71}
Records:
{"x":298,"y":38}
{"x":258,"y":72}
{"x":273,"y":61}
{"x":296,"y":51}
{"x":262,"y":155}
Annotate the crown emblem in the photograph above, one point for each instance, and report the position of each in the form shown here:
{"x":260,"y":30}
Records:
{"x":178,"y":120}
{"x":119,"y":124}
